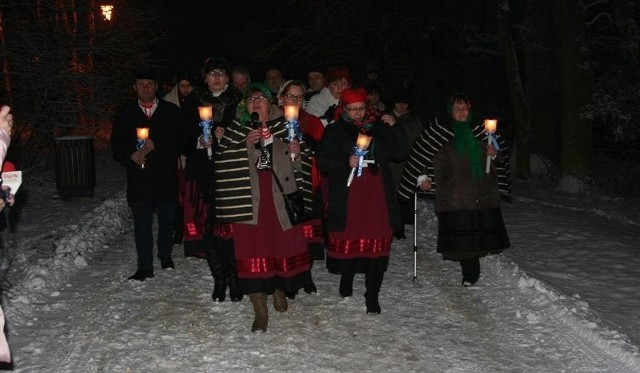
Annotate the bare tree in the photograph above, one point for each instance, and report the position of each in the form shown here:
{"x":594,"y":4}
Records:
{"x":68,"y":67}
{"x":516,"y":88}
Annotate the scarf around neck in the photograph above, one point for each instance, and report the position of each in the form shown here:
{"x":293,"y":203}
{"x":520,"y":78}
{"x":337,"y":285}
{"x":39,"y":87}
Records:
{"x":468,"y":147}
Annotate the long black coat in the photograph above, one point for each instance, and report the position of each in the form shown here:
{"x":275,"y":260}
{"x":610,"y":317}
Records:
{"x":158,"y":181}
{"x":389,"y":143}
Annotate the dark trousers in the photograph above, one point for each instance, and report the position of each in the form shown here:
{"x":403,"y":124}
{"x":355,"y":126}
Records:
{"x":470,"y":269}
{"x":143,"y":230}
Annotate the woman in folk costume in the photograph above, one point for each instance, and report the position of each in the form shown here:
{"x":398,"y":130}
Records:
{"x":271,"y":254}
{"x":470,"y":223}
{"x":363,"y":215}
{"x":291,"y":95}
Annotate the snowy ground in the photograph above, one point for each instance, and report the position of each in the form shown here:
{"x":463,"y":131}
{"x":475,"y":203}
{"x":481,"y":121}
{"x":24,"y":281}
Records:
{"x":565,"y":298}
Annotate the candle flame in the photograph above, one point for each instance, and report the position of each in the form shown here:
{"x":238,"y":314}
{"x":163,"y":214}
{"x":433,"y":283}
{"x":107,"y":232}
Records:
{"x":143,"y":133}
{"x":291,"y":112}
{"x":206,"y":112}
{"x":363,"y":141}
{"x":490,"y":125}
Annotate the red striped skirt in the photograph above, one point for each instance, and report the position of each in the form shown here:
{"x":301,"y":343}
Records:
{"x":265,"y":250}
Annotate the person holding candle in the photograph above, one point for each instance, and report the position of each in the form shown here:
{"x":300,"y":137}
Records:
{"x":292,"y":95}
{"x":222,"y":99}
{"x":362,"y":214}
{"x":252,"y":161}
{"x":153,"y":188}
{"x":470,"y":223}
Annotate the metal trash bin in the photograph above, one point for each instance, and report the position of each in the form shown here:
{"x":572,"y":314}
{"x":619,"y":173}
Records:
{"x":75,"y":166}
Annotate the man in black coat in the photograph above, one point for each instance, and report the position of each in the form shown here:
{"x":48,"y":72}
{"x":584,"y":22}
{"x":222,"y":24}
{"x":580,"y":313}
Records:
{"x":151,"y":168}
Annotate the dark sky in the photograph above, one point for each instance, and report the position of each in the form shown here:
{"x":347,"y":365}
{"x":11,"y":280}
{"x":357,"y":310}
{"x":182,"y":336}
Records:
{"x":232,"y":30}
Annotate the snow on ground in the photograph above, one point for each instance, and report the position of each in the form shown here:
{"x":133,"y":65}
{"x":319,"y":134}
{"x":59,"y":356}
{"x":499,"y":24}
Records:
{"x":563,"y":299}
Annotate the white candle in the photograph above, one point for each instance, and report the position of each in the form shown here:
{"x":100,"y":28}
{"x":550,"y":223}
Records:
{"x":490,"y":126}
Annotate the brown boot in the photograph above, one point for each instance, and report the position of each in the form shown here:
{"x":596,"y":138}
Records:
{"x":280,"y":301}
{"x":259,"y":301}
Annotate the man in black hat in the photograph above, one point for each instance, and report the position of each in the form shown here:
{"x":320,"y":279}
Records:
{"x":151,"y":168}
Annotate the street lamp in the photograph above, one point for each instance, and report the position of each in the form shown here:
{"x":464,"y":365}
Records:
{"x":106,"y":11}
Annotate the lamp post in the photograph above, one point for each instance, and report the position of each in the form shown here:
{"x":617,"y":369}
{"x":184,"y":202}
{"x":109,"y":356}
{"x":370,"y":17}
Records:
{"x":107,"y":11}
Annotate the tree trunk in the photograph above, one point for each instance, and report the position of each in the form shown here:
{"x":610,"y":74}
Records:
{"x":541,"y":85}
{"x":574,"y":76}
{"x":516,"y":88}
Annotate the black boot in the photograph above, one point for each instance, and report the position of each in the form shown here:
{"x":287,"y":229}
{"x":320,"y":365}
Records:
{"x":310,"y":287}
{"x":470,"y":271}
{"x":373,"y":281}
{"x":346,"y":284}
{"x":235,"y":294}
{"x":178,"y":233}
{"x":214,"y":259}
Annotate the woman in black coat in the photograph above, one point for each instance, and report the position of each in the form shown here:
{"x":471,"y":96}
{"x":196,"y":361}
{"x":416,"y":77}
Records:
{"x":362,"y":216}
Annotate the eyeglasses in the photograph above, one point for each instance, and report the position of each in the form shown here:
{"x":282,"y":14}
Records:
{"x":356,"y":109}
{"x":292,"y":97}
{"x":217,"y":73}
{"x":258,"y":98}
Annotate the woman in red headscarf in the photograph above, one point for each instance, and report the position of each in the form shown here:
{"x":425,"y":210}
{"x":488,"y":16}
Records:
{"x":363,"y":215}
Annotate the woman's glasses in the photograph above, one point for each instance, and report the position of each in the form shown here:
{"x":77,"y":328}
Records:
{"x":258,"y":98}
{"x":217,"y":73}
{"x":292,"y":97}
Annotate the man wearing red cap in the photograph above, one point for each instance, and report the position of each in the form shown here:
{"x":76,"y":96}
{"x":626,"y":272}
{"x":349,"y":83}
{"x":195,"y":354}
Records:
{"x":360,"y":232}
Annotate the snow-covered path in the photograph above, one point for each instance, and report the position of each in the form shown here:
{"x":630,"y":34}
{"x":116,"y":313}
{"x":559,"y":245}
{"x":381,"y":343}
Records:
{"x":100,"y":322}
{"x":564,"y":298}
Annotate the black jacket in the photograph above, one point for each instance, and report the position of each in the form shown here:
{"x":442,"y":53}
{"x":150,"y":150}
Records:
{"x":389,"y":143}
{"x":158,"y":181}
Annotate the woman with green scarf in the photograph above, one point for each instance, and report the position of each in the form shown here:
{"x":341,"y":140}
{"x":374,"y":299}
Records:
{"x":470,"y":223}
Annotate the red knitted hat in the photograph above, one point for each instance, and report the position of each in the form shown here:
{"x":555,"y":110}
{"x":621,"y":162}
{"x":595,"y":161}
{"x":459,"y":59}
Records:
{"x":351,"y":95}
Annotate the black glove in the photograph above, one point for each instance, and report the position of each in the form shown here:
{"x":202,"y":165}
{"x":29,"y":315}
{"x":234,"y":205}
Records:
{"x":311,"y":143}
{"x":328,"y":115}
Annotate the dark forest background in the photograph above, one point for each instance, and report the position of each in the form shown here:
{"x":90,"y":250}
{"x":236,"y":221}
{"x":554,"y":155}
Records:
{"x":562,"y":77}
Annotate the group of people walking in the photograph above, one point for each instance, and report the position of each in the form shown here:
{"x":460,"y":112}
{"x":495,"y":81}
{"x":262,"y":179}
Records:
{"x":345,"y":158}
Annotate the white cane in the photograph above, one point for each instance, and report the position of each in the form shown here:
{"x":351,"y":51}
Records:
{"x":415,"y":237}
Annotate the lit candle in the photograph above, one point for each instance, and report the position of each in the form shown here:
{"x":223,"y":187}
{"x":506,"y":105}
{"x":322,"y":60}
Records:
{"x":143,"y":134}
{"x":291,"y":115}
{"x":206,"y":115}
{"x":206,"y":112}
{"x":362,"y":143}
{"x":490,"y":126}
{"x":291,"y":112}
